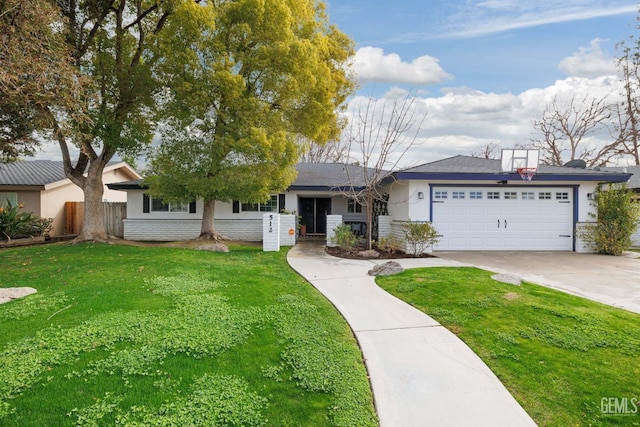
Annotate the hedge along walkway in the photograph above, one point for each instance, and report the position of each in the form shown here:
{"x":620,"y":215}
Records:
{"x":421,"y":373}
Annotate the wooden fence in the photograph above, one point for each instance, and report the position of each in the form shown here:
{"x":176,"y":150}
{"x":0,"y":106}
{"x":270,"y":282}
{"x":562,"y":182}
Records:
{"x":114,"y":213}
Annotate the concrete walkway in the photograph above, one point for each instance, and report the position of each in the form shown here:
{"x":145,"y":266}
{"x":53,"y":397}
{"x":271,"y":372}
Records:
{"x":421,"y":374}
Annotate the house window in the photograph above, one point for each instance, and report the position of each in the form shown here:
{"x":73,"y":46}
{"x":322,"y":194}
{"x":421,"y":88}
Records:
{"x":458,"y":194}
{"x":475,"y":194}
{"x":353,"y":206}
{"x":544,"y":195}
{"x":510,"y":195}
{"x":493,"y":195}
{"x":528,"y":195}
{"x":158,"y":205}
{"x":270,"y":206}
{"x":562,"y":196}
{"x":440,"y":195}
{"x":7,"y":199}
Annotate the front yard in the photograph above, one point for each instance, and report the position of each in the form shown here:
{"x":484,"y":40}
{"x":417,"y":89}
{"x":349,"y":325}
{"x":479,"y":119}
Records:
{"x":567,"y":360}
{"x":122,"y":335}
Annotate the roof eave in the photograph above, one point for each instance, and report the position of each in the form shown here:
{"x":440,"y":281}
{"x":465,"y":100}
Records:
{"x":448,"y":176}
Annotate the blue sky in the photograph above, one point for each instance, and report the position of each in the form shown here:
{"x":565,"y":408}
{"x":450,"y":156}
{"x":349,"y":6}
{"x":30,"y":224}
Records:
{"x":492,"y":46}
{"x":483,"y":70}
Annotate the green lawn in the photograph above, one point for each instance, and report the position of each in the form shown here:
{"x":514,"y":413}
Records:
{"x":559,"y":355}
{"x":123,"y":335}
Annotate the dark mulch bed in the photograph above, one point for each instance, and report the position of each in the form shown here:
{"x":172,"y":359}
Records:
{"x":337,"y":252}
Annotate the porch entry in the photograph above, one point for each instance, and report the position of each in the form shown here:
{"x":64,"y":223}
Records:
{"x":314,"y":211}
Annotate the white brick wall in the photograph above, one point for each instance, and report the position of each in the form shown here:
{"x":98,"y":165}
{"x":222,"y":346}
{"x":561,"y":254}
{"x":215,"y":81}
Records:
{"x":384,"y":226}
{"x":583,"y":245}
{"x":333,"y":221}
{"x":288,"y":222}
{"x":171,"y":229}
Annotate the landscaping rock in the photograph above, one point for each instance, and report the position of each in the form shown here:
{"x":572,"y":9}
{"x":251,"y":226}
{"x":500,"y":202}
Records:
{"x":507,"y":278}
{"x":387,"y":269}
{"x":9,"y":294}
{"x":215,"y":247}
{"x":369,"y":254}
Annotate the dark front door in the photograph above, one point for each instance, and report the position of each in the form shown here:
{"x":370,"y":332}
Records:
{"x":314,"y":211}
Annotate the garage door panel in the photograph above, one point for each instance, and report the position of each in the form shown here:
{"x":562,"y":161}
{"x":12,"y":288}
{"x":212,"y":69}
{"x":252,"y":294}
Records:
{"x":504,"y":219}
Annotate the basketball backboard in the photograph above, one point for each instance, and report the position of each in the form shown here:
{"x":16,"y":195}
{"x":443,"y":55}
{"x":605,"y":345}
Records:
{"x":512,"y":159}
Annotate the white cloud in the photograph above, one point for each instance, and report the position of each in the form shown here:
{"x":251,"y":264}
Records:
{"x":462,"y":119}
{"x":480,"y":18}
{"x":588,"y":62}
{"x":372,"y":65}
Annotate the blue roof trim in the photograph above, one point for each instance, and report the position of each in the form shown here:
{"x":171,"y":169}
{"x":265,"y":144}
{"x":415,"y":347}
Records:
{"x":438,"y":176}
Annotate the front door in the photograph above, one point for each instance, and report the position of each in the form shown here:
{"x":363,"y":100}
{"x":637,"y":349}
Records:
{"x":314,"y":211}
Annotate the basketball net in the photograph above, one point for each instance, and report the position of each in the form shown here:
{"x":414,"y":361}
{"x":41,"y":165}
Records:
{"x":527,"y":174}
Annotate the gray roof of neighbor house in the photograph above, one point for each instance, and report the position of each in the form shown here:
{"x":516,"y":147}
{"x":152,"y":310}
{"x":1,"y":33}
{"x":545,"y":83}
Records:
{"x":475,"y":168}
{"x":31,"y":172}
{"x":311,"y":177}
{"x":634,"y":181}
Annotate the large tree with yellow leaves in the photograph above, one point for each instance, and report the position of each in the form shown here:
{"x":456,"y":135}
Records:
{"x":265,"y":73}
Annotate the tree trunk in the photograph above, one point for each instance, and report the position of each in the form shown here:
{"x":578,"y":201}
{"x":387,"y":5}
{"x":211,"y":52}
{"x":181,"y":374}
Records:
{"x":369,"y":220}
{"x":208,"y":229}
{"x":94,"y":228}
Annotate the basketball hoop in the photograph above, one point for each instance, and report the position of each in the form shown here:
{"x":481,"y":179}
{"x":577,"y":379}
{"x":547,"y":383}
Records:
{"x":527,"y":174}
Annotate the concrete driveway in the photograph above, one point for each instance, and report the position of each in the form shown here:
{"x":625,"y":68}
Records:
{"x":607,"y":279}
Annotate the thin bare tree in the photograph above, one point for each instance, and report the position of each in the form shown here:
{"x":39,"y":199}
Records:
{"x":490,"y":150}
{"x":378,"y":136}
{"x":331,"y":152}
{"x":561,"y":133}
{"x":626,"y":114}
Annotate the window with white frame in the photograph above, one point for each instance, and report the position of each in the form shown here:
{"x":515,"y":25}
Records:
{"x":353,"y":206}
{"x":270,"y":206}
{"x":7,"y":199}
{"x":544,"y":195}
{"x":562,"y":195}
{"x":528,"y":195}
{"x":158,"y":205}
{"x":510,"y":195}
{"x":475,"y":195}
{"x":458,"y":194}
{"x":440,"y":194}
{"x":493,"y":195}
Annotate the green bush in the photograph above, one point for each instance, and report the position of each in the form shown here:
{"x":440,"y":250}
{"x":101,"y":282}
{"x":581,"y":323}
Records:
{"x":344,"y":237}
{"x":617,"y":220}
{"x":390,"y":244}
{"x":419,"y":236}
{"x":15,"y":224}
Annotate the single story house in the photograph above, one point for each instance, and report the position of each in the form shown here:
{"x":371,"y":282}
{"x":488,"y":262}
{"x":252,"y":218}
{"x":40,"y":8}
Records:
{"x":43,"y":189}
{"x":318,"y":191}
{"x":472,"y":203}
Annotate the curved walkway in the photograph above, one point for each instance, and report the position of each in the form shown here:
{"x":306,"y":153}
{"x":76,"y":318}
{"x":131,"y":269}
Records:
{"x":421,"y":373}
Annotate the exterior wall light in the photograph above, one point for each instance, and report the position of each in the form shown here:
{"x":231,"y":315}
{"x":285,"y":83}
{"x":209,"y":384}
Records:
{"x":420,"y":195}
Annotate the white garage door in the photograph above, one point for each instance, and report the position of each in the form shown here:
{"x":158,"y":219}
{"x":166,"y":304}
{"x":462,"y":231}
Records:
{"x":476,"y":218}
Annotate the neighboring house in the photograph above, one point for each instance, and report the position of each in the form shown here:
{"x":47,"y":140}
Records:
{"x":43,"y":189}
{"x":633,"y":184}
{"x":472,"y":204}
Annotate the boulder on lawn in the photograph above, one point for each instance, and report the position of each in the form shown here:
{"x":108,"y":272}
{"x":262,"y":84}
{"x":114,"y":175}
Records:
{"x":214,"y":247}
{"x":387,"y":269}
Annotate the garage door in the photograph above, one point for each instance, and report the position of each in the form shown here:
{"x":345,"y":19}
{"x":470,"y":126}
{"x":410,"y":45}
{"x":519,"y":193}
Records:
{"x":476,"y":218}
